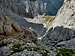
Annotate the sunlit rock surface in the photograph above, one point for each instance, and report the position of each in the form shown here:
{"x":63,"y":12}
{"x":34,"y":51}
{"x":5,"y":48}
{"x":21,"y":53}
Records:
{"x":66,"y":15}
{"x":46,"y":21}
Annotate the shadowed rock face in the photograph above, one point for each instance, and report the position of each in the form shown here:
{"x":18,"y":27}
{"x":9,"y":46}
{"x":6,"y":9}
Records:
{"x":16,"y":40}
{"x":60,"y":37}
{"x":8,"y":27}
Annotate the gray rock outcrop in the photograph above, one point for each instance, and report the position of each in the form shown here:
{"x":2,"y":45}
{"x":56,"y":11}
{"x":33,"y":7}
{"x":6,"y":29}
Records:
{"x":60,"y":37}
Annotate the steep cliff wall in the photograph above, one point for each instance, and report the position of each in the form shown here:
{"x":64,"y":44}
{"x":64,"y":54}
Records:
{"x":66,"y":15}
{"x":25,"y":8}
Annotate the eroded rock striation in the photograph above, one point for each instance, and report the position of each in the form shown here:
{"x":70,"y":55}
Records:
{"x":25,"y":8}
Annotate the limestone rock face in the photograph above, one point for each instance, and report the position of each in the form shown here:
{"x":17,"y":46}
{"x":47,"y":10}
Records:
{"x":66,"y":15}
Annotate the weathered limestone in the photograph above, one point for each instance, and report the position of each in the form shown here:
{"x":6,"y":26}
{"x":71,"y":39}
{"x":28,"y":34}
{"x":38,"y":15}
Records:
{"x":66,"y":15}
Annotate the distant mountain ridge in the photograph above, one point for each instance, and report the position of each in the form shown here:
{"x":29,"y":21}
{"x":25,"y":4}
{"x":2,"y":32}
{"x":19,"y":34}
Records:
{"x":30,"y":8}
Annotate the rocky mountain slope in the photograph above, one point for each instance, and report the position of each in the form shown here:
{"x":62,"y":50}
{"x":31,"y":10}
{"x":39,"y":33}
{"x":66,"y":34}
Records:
{"x":18,"y":41}
{"x":63,"y":28}
{"x":18,"y":38}
{"x":18,"y":9}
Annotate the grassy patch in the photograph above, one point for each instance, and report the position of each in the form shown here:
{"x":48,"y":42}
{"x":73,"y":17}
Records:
{"x":65,"y":52}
